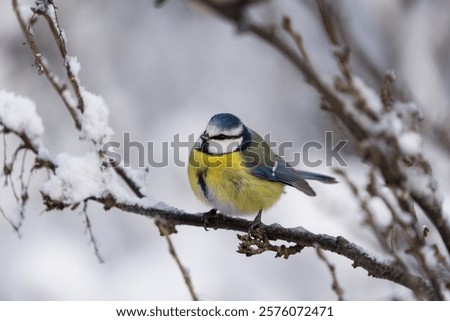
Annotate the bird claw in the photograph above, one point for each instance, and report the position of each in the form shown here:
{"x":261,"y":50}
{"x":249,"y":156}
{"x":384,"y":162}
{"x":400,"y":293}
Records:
{"x":255,"y":227}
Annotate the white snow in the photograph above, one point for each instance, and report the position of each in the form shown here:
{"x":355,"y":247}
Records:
{"x":49,"y":11}
{"x":76,"y":179}
{"x":410,"y":143}
{"x":26,"y":12}
{"x":400,"y":123}
{"x":372,"y":98}
{"x":80,"y":177}
{"x":18,"y":113}
{"x":74,"y":65}
{"x":40,"y":6}
{"x":94,"y":121}
{"x":422,"y":184}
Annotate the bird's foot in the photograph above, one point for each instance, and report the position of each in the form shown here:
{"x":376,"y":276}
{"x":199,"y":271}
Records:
{"x":206,"y":217}
{"x":255,"y":229}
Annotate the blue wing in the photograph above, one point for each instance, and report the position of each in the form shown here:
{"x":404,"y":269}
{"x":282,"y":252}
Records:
{"x":284,"y":173}
{"x":265,"y":164}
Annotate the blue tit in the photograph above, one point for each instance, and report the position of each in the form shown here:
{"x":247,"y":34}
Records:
{"x":235,"y":171}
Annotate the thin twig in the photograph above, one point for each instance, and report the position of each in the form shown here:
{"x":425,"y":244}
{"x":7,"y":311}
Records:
{"x":297,"y":37}
{"x":335,"y":284}
{"x":6,"y":168}
{"x":92,"y":239}
{"x":166,"y":231}
{"x":256,"y":244}
{"x":40,"y":61}
{"x":51,"y":16}
{"x":342,"y":52}
{"x":15,"y":227}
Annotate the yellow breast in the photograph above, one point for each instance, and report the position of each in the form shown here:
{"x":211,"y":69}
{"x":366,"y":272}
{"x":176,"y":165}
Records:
{"x":223,"y":182}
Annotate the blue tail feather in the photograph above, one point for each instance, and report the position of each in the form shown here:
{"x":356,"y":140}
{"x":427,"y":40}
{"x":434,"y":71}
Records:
{"x":318,"y":177}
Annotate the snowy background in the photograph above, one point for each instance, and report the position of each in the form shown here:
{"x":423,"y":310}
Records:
{"x":167,"y":71}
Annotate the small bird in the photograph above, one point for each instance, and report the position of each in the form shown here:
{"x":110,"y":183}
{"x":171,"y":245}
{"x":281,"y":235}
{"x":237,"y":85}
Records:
{"x":234,"y":170}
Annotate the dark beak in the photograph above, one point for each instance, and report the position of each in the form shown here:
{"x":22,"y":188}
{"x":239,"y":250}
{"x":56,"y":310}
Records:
{"x":204,"y":144}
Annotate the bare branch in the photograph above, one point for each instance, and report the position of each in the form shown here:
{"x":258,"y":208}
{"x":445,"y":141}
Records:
{"x":92,"y":239}
{"x":165,"y":230}
{"x":335,"y":284}
{"x":297,"y":37}
{"x":42,"y":64}
{"x":15,"y":227}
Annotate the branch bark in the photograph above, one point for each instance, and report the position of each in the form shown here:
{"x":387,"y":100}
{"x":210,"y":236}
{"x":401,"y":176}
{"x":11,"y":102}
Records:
{"x":376,"y":267}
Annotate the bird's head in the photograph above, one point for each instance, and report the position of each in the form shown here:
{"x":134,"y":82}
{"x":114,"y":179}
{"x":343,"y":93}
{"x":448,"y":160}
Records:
{"x":224,"y":134}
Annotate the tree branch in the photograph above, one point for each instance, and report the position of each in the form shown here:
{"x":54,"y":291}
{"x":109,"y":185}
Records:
{"x":376,"y":267}
{"x":42,"y":64}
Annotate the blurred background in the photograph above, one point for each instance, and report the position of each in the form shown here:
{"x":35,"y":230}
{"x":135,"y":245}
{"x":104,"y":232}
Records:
{"x":166,"y":71}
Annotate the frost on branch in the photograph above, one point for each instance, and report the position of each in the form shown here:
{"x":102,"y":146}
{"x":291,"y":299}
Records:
{"x":94,"y":120}
{"x":78,"y":178}
{"x":74,"y":65}
{"x":18,"y":114}
{"x":41,"y":6}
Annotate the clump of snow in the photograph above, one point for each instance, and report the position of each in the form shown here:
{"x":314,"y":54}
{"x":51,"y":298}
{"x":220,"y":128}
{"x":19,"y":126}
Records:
{"x":25,"y":12}
{"x":409,"y":110}
{"x":78,"y":178}
{"x":94,"y":120}
{"x":410,"y":143}
{"x":74,"y":65}
{"x":420,"y":183}
{"x":49,"y":10}
{"x":18,"y":114}
{"x":401,"y":122}
{"x":40,"y":6}
{"x":372,"y":99}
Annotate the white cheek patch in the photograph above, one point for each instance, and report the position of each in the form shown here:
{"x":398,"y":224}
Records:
{"x":212,"y":131}
{"x":224,"y":146}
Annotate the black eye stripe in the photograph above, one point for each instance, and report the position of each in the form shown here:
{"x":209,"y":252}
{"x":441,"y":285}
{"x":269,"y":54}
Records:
{"x":224,"y":137}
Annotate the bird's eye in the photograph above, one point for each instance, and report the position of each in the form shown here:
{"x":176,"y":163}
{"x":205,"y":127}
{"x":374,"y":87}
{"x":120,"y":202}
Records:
{"x":221,"y":137}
